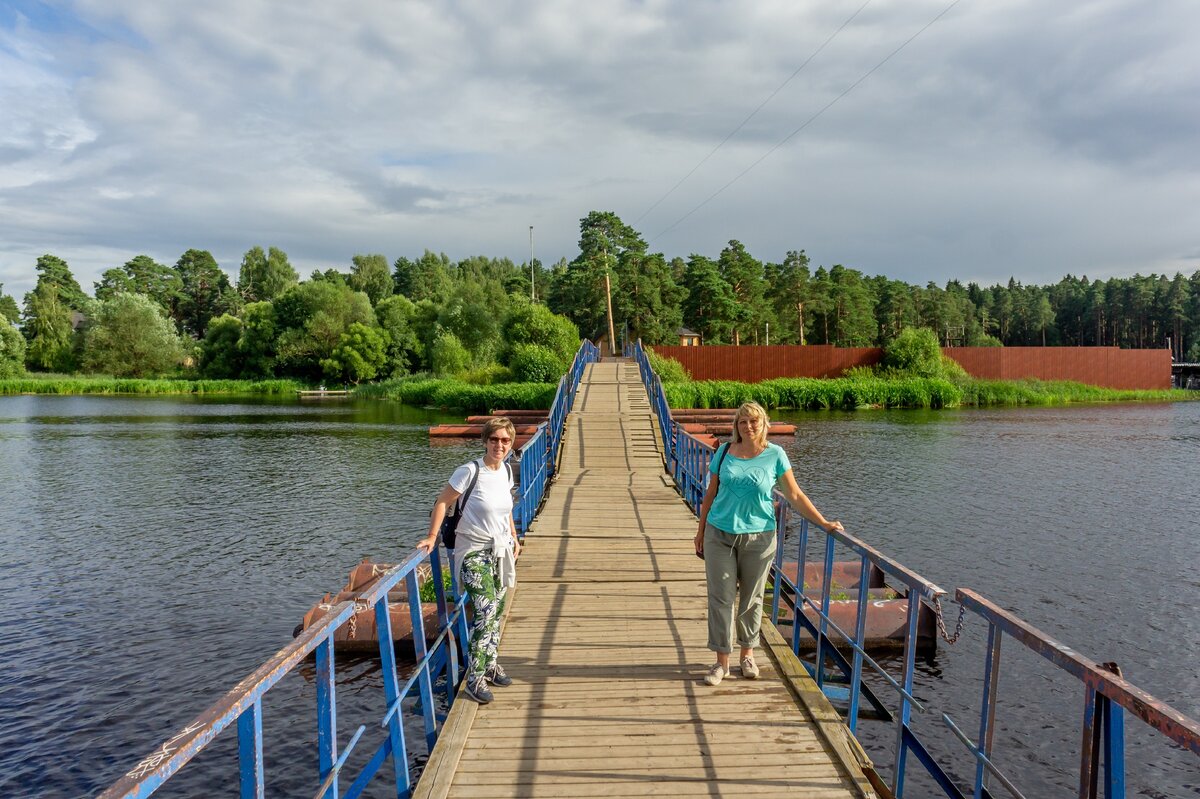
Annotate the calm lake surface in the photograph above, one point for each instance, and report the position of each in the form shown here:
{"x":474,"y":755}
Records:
{"x":156,"y":550}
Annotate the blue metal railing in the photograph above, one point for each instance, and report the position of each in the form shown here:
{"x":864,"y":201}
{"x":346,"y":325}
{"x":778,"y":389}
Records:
{"x":540,"y":454}
{"x":243,"y":705}
{"x":1106,"y":693}
{"x":443,"y":659}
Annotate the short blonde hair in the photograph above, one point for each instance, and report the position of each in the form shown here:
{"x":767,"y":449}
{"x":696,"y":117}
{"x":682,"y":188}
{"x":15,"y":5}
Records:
{"x":751,"y":410}
{"x":498,"y":423}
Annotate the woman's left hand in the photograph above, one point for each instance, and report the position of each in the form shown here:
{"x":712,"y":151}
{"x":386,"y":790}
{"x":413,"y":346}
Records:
{"x":516,"y":547}
{"x":834,"y":525}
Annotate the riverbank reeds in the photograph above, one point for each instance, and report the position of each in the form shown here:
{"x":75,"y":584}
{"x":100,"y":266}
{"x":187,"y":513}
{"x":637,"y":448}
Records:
{"x":867,"y":391}
{"x":465,"y":396}
{"x":93,"y":384}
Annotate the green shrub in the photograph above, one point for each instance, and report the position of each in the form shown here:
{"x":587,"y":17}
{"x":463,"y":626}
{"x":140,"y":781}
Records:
{"x":668,"y":370}
{"x":449,"y":356}
{"x":915,"y":351}
{"x":12,"y":351}
{"x":533,"y":363}
{"x":487,"y":375}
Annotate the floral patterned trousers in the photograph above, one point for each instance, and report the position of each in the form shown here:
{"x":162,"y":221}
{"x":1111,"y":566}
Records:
{"x":480,"y":577}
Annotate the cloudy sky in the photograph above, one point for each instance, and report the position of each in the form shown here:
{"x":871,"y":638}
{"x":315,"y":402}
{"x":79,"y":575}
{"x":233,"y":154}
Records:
{"x":1009,"y":138}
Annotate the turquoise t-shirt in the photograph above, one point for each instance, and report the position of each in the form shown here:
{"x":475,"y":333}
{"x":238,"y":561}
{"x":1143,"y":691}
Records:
{"x":743,"y":502}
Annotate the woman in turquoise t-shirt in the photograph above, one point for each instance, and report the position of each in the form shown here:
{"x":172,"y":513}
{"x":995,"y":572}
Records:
{"x":737,"y":534}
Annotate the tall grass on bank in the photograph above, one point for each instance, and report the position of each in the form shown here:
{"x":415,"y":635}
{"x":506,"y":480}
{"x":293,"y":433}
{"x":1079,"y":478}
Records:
{"x":861,"y":390}
{"x":457,"y":394}
{"x":59,"y":384}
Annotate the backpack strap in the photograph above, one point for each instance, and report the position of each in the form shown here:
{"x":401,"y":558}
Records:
{"x":721,"y":450}
{"x":512,"y":482}
{"x":462,"y":501}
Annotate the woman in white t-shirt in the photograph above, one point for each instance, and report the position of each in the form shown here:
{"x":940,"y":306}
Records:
{"x":485,"y":551}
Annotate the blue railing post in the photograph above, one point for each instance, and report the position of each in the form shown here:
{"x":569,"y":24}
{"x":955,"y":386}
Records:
{"x":1114,"y":749}
{"x":250,"y":756}
{"x":391,"y":692}
{"x":801,"y":566}
{"x":987,"y":713}
{"x":826,"y":590}
{"x":327,"y":753}
{"x":905,"y":715}
{"x":860,"y":637}
{"x":420,"y":650}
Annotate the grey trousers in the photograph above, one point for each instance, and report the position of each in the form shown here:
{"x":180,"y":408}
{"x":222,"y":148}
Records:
{"x":736,"y":566}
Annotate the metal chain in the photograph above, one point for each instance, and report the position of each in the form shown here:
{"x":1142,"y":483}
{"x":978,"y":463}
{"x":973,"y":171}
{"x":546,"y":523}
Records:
{"x":941,"y":622}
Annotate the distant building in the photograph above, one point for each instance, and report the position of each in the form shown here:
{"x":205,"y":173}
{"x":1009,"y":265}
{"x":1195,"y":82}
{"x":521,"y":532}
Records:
{"x":688,"y":338}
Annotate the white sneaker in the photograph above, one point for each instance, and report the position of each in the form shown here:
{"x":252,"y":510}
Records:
{"x":749,"y":668}
{"x":715,"y":674}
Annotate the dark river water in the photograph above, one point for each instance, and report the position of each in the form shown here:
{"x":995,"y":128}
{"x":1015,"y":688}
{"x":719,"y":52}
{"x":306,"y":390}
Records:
{"x":156,"y":550}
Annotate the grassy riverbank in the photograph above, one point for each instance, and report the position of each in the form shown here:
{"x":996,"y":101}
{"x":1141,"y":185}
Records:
{"x":97,"y":384}
{"x":863,"y":391}
{"x":465,"y":396}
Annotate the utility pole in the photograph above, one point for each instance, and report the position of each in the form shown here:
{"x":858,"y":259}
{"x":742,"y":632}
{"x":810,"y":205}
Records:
{"x":768,"y":324}
{"x":612,"y":335}
{"x":532,"y":292}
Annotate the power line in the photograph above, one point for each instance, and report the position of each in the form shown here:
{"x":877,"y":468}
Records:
{"x":771,"y":96}
{"x":808,"y":121}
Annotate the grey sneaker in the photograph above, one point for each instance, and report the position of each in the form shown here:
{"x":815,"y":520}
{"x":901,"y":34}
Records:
{"x":497,"y":677}
{"x":715,"y":674}
{"x":749,"y":668}
{"x":479,"y":691}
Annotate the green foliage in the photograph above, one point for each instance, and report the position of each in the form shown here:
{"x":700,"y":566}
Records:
{"x":668,"y":370}
{"x":311,"y":318}
{"x":205,"y":292}
{"x":264,"y":276}
{"x":8,"y":307}
{"x":12,"y":351}
{"x":369,"y":274}
{"x":59,"y":384}
{"x":47,"y":328}
{"x":487,"y":375}
{"x":256,"y":347}
{"x":449,"y":356}
{"x":531,"y":323}
{"x":395,"y":317}
{"x":533,"y":363}
{"x":915,"y":352}
{"x":131,"y":337}
{"x":53,"y":271}
{"x":359,"y":355}
{"x":428,"y":587}
{"x":987,"y":341}
{"x":219,"y":354}
{"x":462,"y":396}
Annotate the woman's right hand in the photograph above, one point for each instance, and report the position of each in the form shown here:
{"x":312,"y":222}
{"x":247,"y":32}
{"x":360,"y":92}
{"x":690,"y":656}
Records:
{"x":698,"y":541}
{"x":427,"y":544}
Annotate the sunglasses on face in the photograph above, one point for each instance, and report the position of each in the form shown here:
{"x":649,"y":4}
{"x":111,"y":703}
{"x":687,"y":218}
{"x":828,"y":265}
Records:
{"x":499,"y":440}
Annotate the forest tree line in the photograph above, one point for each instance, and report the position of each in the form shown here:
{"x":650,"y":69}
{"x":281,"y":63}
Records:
{"x":431,"y":314}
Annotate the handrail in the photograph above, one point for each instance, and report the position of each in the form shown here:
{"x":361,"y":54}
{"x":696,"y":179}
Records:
{"x":1107,"y":694}
{"x":243,"y":704}
{"x":540,"y":454}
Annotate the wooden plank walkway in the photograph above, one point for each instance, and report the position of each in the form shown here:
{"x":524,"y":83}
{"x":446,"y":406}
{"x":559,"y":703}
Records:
{"x":606,"y":643}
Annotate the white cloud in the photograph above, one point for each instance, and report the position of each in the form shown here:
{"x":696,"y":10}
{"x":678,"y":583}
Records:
{"x":1010,"y":138}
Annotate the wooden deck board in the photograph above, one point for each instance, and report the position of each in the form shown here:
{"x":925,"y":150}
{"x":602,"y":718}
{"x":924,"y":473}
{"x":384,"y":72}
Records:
{"x":606,"y":643}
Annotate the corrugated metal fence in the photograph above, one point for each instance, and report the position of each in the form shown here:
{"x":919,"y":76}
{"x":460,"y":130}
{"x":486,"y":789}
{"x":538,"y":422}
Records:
{"x":1098,"y":366}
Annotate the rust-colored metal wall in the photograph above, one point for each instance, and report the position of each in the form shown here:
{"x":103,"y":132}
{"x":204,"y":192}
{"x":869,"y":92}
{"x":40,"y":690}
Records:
{"x":1098,"y":366}
{"x":751,"y":364}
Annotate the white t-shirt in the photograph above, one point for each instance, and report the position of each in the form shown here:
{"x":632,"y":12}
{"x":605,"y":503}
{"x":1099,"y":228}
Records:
{"x":486,"y":515}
